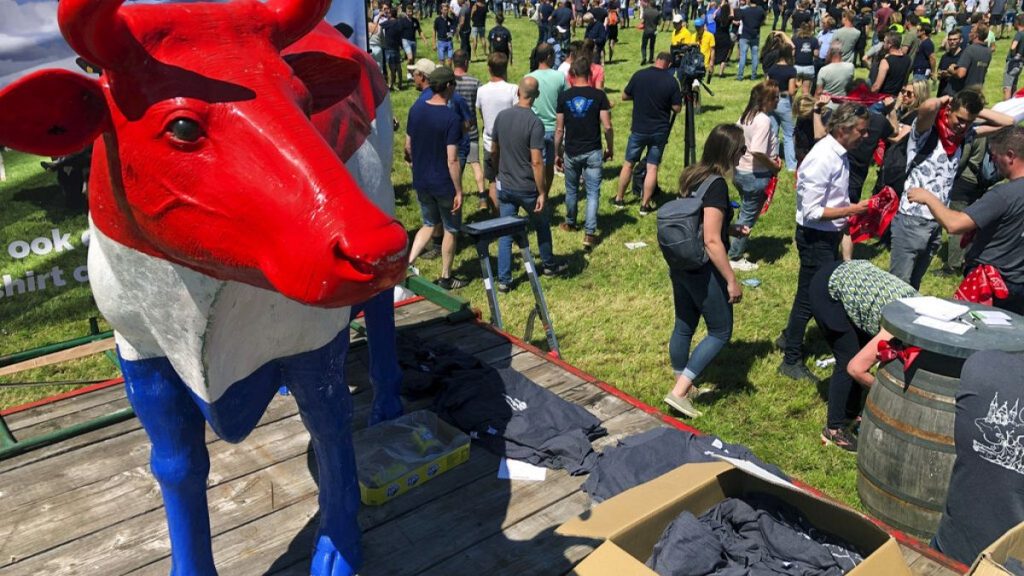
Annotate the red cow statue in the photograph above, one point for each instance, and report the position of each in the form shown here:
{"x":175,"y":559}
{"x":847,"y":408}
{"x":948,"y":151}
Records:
{"x":240,"y":204}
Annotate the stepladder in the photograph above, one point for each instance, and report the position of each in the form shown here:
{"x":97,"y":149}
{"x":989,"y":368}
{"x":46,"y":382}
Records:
{"x":483,"y":234}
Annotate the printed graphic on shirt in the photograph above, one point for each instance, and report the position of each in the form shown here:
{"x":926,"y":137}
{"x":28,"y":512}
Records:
{"x":579,"y":106}
{"x":515,"y":403}
{"x":1002,"y":431}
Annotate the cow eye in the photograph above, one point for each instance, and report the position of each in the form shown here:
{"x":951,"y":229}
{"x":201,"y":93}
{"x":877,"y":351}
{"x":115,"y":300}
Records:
{"x":185,"y":130}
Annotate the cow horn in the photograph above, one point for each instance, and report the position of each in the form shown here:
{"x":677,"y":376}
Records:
{"x":295,"y":18}
{"x":96,"y":31}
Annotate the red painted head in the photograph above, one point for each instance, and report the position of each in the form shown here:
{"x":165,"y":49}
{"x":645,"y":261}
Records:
{"x":207,"y":154}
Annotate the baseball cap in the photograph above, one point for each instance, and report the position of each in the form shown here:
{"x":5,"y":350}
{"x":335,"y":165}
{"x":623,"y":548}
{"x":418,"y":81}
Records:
{"x":441,"y":75}
{"x":698,"y":22}
{"x":677,"y":18}
{"x":423,"y":66}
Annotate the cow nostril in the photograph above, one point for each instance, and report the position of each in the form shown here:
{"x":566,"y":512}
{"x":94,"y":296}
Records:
{"x":360,"y":265}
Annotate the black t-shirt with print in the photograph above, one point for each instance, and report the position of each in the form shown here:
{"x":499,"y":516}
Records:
{"x":580,"y":107}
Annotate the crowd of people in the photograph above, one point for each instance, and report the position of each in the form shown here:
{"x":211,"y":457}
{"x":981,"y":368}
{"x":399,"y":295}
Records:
{"x":944,"y":159}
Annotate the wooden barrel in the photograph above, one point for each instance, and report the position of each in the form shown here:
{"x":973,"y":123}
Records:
{"x":905,"y":450}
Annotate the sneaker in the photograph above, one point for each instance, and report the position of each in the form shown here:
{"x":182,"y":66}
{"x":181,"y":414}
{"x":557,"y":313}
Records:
{"x":431,"y":253}
{"x":503,"y":287}
{"x":797,"y":372}
{"x":780,"y":342}
{"x":567,"y":227}
{"x":619,"y":203}
{"x":589,"y":240}
{"x":556,"y":269}
{"x":483,"y":205}
{"x":743,"y":265}
{"x":841,"y":438}
{"x":451,"y":283}
{"x":646,"y":209}
{"x":682,"y":405}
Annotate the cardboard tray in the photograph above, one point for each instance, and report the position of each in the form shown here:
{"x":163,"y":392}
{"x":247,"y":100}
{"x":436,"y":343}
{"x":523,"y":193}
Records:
{"x":632,"y":522}
{"x":990,"y":561}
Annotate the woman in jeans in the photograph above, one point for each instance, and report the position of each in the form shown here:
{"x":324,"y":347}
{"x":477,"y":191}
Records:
{"x":711,"y":290}
{"x":784,"y":74}
{"x":758,"y":164}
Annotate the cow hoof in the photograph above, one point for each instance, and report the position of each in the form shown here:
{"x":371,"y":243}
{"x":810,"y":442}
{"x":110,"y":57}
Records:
{"x":328,"y":561}
{"x":383,"y":411}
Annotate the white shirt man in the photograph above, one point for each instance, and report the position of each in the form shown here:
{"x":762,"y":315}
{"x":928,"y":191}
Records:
{"x":823,"y":181}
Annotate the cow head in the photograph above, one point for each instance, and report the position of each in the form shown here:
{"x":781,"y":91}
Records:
{"x":205,"y":151}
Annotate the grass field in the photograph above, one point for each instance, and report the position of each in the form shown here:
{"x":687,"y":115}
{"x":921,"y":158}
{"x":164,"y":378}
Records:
{"x":613,"y":312}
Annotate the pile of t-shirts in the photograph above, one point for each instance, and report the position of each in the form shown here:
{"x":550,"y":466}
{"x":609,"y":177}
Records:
{"x":501,"y":409}
{"x":650,"y":454}
{"x":757,"y":536}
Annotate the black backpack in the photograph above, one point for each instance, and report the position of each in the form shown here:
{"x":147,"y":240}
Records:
{"x":681,"y":230}
{"x":895,"y":169}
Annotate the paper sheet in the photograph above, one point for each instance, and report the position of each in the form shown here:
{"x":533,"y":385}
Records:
{"x":992,"y":318}
{"x":518,"y":470}
{"x":935,"y":307}
{"x":958,"y":328}
{"x":757,"y":471}
{"x":635,"y":245}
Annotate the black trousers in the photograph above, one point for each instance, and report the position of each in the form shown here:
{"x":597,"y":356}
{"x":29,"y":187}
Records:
{"x":647,"y":40}
{"x":845,"y":397}
{"x":817,"y":248}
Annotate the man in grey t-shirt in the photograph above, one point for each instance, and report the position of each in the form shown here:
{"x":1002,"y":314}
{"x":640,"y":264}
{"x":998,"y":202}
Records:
{"x":834,"y":76}
{"x":516,"y":149}
{"x":974,"y":60}
{"x":847,"y":36}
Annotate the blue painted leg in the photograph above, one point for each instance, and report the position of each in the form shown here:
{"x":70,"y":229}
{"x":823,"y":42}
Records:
{"x":317,"y":381}
{"x":178,"y":459}
{"x":385,"y":374}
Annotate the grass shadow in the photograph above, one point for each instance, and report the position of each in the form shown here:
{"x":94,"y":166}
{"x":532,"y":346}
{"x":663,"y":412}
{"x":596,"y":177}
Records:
{"x":729,"y":373}
{"x":768,"y":249}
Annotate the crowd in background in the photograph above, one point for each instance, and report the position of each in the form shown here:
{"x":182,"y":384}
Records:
{"x":944,"y":160}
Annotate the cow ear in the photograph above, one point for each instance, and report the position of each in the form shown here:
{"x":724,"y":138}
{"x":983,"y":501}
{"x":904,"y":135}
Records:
{"x":328,"y":78}
{"x":52,"y":113}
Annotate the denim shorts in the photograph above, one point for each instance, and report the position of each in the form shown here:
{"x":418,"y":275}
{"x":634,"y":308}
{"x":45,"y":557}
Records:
{"x":444,"y":50}
{"x":392,"y":57}
{"x":805,"y":72}
{"x":434,"y":209}
{"x":549,"y":149}
{"x":409,"y":46}
{"x":654,"y":143}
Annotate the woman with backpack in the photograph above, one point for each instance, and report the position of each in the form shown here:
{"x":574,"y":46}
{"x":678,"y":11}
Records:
{"x":707,"y":289}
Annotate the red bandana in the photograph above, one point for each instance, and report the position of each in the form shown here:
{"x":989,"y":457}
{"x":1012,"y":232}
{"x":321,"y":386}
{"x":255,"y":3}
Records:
{"x":950,"y":142}
{"x":769,"y":193}
{"x":889,"y":350}
{"x":872,"y":224}
{"x":981,"y":285}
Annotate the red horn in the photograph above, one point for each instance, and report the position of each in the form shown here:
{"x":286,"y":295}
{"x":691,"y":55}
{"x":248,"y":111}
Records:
{"x":96,"y":31}
{"x":295,"y":18}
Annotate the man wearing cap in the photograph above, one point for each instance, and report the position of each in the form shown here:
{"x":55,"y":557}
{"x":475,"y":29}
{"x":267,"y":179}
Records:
{"x":433,"y":134}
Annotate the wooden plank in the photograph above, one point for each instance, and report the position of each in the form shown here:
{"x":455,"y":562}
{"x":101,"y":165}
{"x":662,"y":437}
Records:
{"x":925,"y":566}
{"x":61,"y":356}
{"x":33,"y":416}
{"x":54,"y":424}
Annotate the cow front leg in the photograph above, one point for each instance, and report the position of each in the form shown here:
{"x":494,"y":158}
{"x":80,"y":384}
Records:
{"x":385,"y":374}
{"x":178,"y":458}
{"x":317,"y":381}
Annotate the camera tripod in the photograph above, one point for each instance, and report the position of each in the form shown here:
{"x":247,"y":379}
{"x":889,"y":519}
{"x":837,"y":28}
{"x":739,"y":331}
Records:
{"x":690,"y":95}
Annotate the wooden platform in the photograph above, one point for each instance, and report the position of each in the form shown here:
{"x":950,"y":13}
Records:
{"x":88,"y":506}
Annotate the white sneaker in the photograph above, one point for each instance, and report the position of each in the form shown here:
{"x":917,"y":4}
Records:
{"x":743,"y":265}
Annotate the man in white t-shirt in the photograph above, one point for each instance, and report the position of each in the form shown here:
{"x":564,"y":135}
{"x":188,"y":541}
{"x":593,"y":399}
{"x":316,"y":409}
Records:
{"x":492,"y":98}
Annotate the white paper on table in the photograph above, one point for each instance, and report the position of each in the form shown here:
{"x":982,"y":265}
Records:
{"x":993,"y":318}
{"x":936,"y":308}
{"x":635,"y":245}
{"x":952,"y":327}
{"x":756,"y":471}
{"x":518,"y":470}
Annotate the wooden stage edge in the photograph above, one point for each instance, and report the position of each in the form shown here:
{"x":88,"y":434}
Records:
{"x":88,"y":505}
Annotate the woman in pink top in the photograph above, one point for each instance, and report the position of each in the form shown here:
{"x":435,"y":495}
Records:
{"x":757,"y":166}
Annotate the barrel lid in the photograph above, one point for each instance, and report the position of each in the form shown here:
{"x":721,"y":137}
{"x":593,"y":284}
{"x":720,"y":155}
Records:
{"x":898,"y":318}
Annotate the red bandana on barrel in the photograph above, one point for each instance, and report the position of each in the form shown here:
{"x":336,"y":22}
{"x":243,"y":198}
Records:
{"x":872,"y":224}
{"x":981,"y":285}
{"x":950,"y":141}
{"x":889,"y":350}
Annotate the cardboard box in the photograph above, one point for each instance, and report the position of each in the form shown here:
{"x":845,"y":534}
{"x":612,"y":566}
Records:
{"x":395,"y":456}
{"x":633,"y":521}
{"x":990,"y":561}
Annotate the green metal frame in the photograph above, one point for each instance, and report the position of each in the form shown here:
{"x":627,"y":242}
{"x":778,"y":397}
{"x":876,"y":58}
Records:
{"x":458,"y":308}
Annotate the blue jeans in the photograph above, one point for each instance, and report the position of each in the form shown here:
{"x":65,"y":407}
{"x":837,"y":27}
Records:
{"x":589,"y":164}
{"x":509,"y":203}
{"x":548,"y":153}
{"x":752,"y":46}
{"x":696,"y":294}
{"x":751,"y":186}
{"x":783,"y":115}
{"x":444,"y":50}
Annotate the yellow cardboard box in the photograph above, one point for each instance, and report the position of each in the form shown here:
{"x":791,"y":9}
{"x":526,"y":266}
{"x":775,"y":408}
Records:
{"x":632,"y":522}
{"x":990,"y":561}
